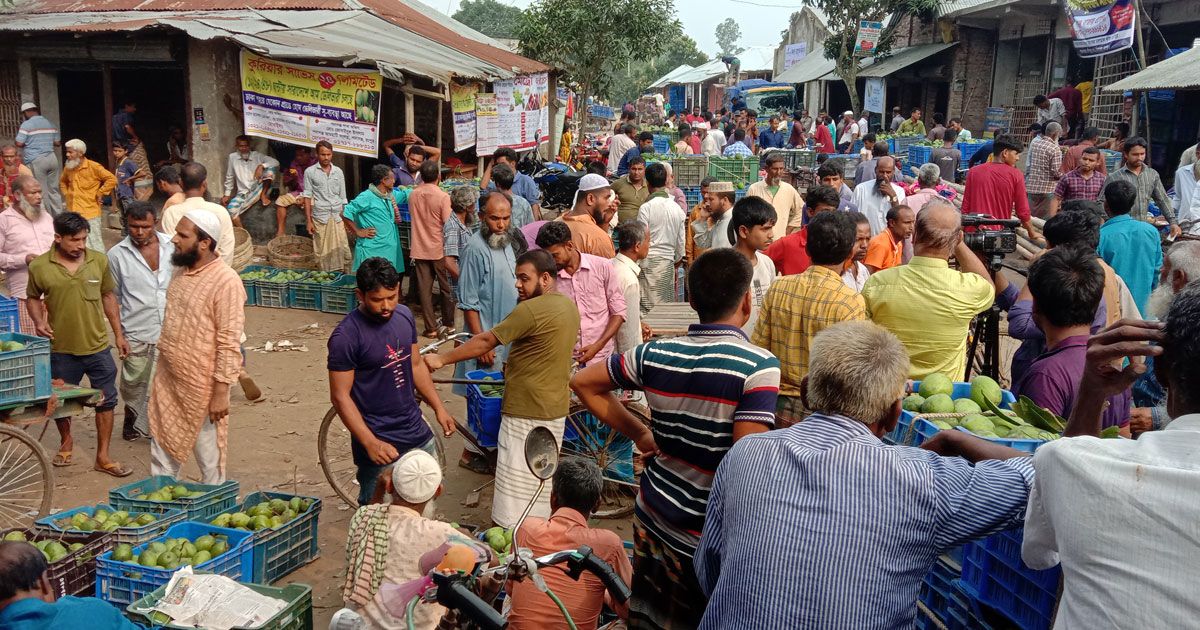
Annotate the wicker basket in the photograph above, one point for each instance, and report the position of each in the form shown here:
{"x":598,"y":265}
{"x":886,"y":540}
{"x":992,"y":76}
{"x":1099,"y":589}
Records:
{"x":291,"y":252}
{"x":243,"y":249}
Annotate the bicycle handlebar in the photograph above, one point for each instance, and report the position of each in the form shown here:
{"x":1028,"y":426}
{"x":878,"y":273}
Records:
{"x":453,"y":594}
{"x":582,"y":559}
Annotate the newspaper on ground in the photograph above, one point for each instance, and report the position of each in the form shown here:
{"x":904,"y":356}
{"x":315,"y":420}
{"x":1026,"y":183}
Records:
{"x":215,"y":602}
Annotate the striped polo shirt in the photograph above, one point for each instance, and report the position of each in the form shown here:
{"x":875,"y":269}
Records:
{"x":38,"y":135}
{"x":697,"y":387}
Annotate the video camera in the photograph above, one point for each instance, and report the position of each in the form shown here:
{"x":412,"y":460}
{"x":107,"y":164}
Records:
{"x":991,"y":243}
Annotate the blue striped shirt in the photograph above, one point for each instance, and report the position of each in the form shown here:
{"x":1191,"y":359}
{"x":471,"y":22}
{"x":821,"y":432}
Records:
{"x":821,"y":525}
{"x":697,"y":387}
{"x":38,"y":135}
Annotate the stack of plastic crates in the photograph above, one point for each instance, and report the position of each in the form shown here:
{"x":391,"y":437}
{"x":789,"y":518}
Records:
{"x":1112,"y":159}
{"x":693,"y":195}
{"x":900,"y":144}
{"x":10,"y":318}
{"x":919,"y":154}
{"x":994,"y":575}
{"x":662,"y":144}
{"x":968,"y":150}
{"x":740,"y":171}
{"x":796,"y":159}
{"x":689,"y":170}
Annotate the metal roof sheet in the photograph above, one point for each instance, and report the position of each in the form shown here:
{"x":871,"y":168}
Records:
{"x":903,"y":58}
{"x":1177,"y":73}
{"x":669,"y":77}
{"x":91,"y":6}
{"x":811,"y":67}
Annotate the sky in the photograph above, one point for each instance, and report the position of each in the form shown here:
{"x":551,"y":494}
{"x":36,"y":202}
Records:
{"x":761,"y":20}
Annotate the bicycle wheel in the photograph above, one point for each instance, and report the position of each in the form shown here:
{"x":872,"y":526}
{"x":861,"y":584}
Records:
{"x":26,"y":478}
{"x":612,"y":452}
{"x":337,"y":461}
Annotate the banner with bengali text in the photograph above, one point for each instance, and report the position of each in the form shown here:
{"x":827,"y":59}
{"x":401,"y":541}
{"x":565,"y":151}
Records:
{"x":1100,"y":27}
{"x":462,"y":109}
{"x":487,"y":123}
{"x":304,"y":104}
{"x":523,"y":107}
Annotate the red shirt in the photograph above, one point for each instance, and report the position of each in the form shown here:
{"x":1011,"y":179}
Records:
{"x":790,"y":254}
{"x":1071,"y":97}
{"x":822,"y":140}
{"x":995,"y":189}
{"x":694,"y":142}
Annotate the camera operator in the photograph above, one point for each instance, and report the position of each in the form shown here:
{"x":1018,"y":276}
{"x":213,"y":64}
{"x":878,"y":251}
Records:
{"x":997,"y":188}
{"x":925,"y":303}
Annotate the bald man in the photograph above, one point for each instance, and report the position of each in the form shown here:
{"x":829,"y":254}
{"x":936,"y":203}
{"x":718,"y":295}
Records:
{"x":925,"y":303}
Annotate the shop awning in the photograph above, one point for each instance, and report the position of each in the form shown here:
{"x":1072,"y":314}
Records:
{"x":1177,"y":73}
{"x":901,"y":59}
{"x":811,"y":67}
{"x":670,"y":77}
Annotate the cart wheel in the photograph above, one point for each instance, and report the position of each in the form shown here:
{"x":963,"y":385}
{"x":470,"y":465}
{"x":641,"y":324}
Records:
{"x":337,"y":461}
{"x":612,"y":452}
{"x":26,"y":478}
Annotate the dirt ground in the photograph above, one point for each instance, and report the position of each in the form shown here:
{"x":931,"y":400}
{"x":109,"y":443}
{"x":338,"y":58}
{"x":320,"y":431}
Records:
{"x":273,"y":447}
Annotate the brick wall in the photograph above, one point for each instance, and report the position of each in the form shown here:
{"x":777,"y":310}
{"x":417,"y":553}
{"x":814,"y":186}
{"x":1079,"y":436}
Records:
{"x":971,"y":76}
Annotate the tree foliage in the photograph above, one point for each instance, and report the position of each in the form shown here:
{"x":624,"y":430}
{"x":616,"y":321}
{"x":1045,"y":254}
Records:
{"x":492,"y":18}
{"x":588,"y":39}
{"x":843,"y":17}
{"x":630,"y":80}
{"x":728,"y":33}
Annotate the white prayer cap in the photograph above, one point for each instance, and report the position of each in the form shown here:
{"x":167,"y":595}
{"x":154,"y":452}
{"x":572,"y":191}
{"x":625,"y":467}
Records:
{"x":592,"y":181}
{"x":206,"y":221}
{"x":28,"y":105}
{"x":416,"y":476}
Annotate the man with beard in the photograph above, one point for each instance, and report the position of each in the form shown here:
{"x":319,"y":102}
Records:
{"x":710,"y":230}
{"x":592,"y":284}
{"x":541,"y":331}
{"x":372,"y":376}
{"x":193,"y":178}
{"x":84,"y":183}
{"x":250,"y":175}
{"x":372,"y":217}
{"x":199,"y":354}
{"x":139,"y":266}
{"x":69,"y":295}
{"x":10,"y":170}
{"x":877,"y":196}
{"x":487,"y":294}
{"x":595,"y":204}
{"x":26,"y":232}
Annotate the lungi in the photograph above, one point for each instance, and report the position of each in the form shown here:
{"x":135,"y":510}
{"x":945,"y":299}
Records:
{"x":660,"y":281}
{"x":515,"y":485}
{"x":789,"y":410}
{"x":137,"y":371}
{"x":330,"y":245}
{"x":666,"y":593}
{"x":245,"y":199}
{"x":25,"y":319}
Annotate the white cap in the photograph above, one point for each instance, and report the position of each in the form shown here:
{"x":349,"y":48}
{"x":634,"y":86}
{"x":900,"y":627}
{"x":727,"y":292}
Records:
{"x":847,"y":113}
{"x":416,"y":476}
{"x":206,"y":221}
{"x":28,"y":105}
{"x":588,"y":183}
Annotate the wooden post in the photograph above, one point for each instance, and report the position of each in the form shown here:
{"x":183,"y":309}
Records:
{"x":106,"y":150}
{"x":441,"y":107}
{"x":409,"y":118}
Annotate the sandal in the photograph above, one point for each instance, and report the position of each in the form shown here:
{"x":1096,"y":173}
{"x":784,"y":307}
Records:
{"x":63,"y":458}
{"x":430,"y":334}
{"x":115,"y":469}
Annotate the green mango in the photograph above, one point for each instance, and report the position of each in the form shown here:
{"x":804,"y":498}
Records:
{"x":17,"y":536}
{"x":100,"y":515}
{"x":222,"y":520}
{"x":145,"y":519}
{"x":204,"y":543}
{"x":278,"y":505}
{"x":180,"y":491}
{"x":201,"y":557}
{"x":168,"y":560}
{"x":149,"y":558}
{"x":294,"y":503}
{"x":157,"y":546}
{"x":123,"y":552}
{"x":260,"y":522}
{"x":239,"y":519}
{"x":219,"y":548}
{"x":187,"y":550}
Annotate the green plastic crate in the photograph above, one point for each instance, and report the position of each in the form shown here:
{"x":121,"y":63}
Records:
{"x":740,"y":171}
{"x":278,"y":552}
{"x":339,"y":297}
{"x":297,"y":615}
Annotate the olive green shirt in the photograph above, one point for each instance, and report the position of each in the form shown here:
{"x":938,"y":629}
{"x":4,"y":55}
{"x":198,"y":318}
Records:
{"x":630,"y":197}
{"x":541,"y":334}
{"x":75,"y":310}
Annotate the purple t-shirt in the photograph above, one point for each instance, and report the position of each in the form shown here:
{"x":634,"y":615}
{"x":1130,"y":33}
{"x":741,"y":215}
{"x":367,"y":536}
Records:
{"x":530,"y":233}
{"x":1052,"y":381}
{"x":380,"y":354}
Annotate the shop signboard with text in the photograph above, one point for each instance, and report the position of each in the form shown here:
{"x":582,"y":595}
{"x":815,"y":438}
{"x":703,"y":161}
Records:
{"x":523,"y":108}
{"x":1100,"y":27}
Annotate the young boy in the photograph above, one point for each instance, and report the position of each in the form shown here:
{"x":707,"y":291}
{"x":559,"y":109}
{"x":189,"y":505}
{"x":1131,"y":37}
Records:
{"x":751,"y":225}
{"x":868,"y":144}
{"x":127,"y":173}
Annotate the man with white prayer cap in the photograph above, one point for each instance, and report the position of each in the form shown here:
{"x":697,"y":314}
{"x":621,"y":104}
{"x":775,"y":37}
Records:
{"x":199,"y":355}
{"x":594,"y":208}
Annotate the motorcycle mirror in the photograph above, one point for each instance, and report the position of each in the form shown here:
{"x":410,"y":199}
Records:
{"x":541,"y":453}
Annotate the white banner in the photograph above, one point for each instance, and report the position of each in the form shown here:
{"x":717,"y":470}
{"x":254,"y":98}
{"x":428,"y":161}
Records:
{"x":523,"y":106}
{"x":487,"y":125}
{"x":873,"y":100}
{"x":793,"y":53}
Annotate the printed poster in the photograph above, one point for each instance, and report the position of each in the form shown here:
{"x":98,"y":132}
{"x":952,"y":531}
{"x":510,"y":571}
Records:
{"x":462,"y":109}
{"x":868,"y":37}
{"x":1100,"y":27}
{"x":873,"y":101}
{"x":793,"y":53}
{"x":303,"y":104}
{"x":487,"y":125}
{"x":523,"y":108}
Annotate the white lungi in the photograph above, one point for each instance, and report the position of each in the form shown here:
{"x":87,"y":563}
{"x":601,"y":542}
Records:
{"x":515,"y":485}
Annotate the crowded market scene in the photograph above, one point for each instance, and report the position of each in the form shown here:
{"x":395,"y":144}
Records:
{"x":814,"y":314}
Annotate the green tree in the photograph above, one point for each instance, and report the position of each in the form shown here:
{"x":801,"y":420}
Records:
{"x":587,"y":39}
{"x":728,"y":33}
{"x":492,"y":18}
{"x":632,"y":79}
{"x":843,"y":17}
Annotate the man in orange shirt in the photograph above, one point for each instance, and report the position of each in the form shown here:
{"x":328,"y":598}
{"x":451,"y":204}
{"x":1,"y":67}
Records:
{"x":576,"y":493}
{"x":595,"y":205}
{"x":886,"y":250}
{"x":429,"y":207}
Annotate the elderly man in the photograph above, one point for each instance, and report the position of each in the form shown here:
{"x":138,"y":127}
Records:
{"x":193,"y":178}
{"x":591,"y":283}
{"x":84,"y":184}
{"x":39,"y":140}
{"x":631,"y":188}
{"x":1145,"y":181}
{"x":324,"y":197}
{"x":372,"y":218}
{"x":875,"y":197}
{"x":662,"y":216}
{"x":848,"y":132}
{"x":250,"y":174}
{"x":199,"y":354}
{"x":925,"y":303}
{"x":70,"y":295}
{"x":27,"y":600}
{"x":858,"y":516}
{"x":10,"y":169}
{"x":140,"y":266}
{"x":26,"y":232}
{"x":927,"y":183}
{"x":1044,"y":170}
{"x":595,"y":204}
{"x":788,"y":204}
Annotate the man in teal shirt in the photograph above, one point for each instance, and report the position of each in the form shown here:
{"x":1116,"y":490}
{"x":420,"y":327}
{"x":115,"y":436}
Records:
{"x":373,"y":217}
{"x":1132,"y":248}
{"x":27,"y":599}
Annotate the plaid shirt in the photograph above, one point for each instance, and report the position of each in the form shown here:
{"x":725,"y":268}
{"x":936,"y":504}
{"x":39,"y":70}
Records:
{"x":1045,"y":164}
{"x":795,"y":309}
{"x":1076,"y":186}
{"x":1149,"y":186}
{"x":737,"y":148}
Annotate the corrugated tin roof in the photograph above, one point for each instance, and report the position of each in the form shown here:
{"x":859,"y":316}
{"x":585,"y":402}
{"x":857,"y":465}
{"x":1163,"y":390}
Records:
{"x":1177,"y":73}
{"x":810,"y":68}
{"x":669,"y":77}
{"x":92,"y":6}
{"x":753,"y":59}
{"x":903,"y":58}
{"x":959,"y":8}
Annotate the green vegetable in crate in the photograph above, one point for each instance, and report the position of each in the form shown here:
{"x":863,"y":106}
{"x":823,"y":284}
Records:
{"x":205,"y":542}
{"x":201,"y":557}
{"x":123,"y":552}
{"x":222,"y":520}
{"x":977,"y":423}
{"x":913,"y":403}
{"x":219,"y":547}
{"x":160,"y":617}
{"x":17,"y":536}
{"x":11,"y":346}
{"x":966,"y":405}
{"x":936,"y":384}
{"x":942,"y":425}
{"x":938,"y":403}
{"x":145,"y":519}
{"x":985,"y":387}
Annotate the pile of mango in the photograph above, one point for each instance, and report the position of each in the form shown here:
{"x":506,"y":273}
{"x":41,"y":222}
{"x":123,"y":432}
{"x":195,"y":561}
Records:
{"x":499,"y":539}
{"x":52,"y":549}
{"x":172,"y":493}
{"x":173,"y":553}
{"x":981,"y":414}
{"x":271,"y":514}
{"x":11,"y":346}
{"x":495,"y":390}
{"x":104,"y":521}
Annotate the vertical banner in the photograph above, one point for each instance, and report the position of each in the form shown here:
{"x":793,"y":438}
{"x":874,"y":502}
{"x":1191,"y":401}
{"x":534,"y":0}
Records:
{"x":793,"y":53}
{"x":1100,"y":27}
{"x":873,"y":100}
{"x":523,"y":106}
{"x":868,"y":37}
{"x":304,"y":104}
{"x":487,"y":125}
{"x":462,"y":108}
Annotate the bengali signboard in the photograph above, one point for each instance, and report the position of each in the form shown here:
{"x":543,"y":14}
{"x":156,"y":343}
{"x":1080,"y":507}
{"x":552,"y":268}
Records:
{"x":868,"y":37}
{"x":304,"y":104}
{"x":462,"y":108}
{"x":1100,"y":27}
{"x":487,"y":125}
{"x":523,"y":109}
{"x":793,"y":53}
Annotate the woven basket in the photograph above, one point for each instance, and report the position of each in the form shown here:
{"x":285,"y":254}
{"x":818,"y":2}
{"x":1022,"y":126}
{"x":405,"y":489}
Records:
{"x":243,"y":249}
{"x":291,"y":252}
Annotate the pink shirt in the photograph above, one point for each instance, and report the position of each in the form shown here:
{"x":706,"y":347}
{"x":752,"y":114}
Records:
{"x":429,"y":207}
{"x":597,"y":294}
{"x":20,"y":237}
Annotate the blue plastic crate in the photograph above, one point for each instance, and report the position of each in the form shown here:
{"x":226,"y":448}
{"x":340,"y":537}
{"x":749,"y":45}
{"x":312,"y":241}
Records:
{"x":273,"y":294}
{"x":483,"y":413}
{"x":10,"y":316}
{"x":133,"y":535}
{"x":25,"y":374}
{"x":968,"y":150}
{"x":692,"y":195}
{"x":338,"y":296}
{"x":900,"y":144}
{"x":122,"y":583}
{"x":278,"y":552}
{"x":1112,"y":159}
{"x":216,"y":499}
{"x":405,"y":216}
{"x":907,"y":434}
{"x":662,"y":144}
{"x":304,"y":295}
{"x":995,"y":575}
{"x":919,"y":154}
